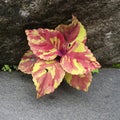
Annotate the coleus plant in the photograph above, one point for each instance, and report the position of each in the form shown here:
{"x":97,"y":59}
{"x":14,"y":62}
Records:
{"x":59,"y":54}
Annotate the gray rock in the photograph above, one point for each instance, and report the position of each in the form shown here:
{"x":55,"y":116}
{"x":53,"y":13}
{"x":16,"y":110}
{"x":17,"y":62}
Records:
{"x":101,"y":102}
{"x":101,"y":19}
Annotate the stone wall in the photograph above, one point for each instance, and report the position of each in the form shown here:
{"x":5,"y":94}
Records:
{"x":101,"y":18}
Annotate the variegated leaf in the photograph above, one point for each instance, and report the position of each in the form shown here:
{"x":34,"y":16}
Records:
{"x":74,"y":31}
{"x":47,"y":76}
{"x":27,"y":62}
{"x":79,"y":60}
{"x":80,"y":82}
{"x":46,"y":44}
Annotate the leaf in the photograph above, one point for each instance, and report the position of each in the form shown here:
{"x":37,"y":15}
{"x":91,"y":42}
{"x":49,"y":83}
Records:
{"x":47,"y":76}
{"x":15,"y":67}
{"x":45,"y":43}
{"x":27,"y":62}
{"x":79,"y":60}
{"x":73,"y":32}
{"x":95,"y":71}
{"x":6,"y":68}
{"x":80,"y":82}
{"x":116,"y":65}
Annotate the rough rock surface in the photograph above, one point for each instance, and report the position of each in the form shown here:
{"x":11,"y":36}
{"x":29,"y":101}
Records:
{"x":101,"y":102}
{"x":100,"y":17}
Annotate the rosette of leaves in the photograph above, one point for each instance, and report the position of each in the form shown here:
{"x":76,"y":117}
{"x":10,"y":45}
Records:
{"x":59,"y":54}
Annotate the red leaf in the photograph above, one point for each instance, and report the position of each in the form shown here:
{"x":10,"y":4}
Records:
{"x":47,"y":76}
{"x":80,"y":82}
{"x":79,"y":60}
{"x":27,"y":62}
{"x":46,"y":44}
{"x":74,"y":31}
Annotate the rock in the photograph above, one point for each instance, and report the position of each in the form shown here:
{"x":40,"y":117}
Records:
{"x":101,"y":102}
{"x":101,"y":19}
